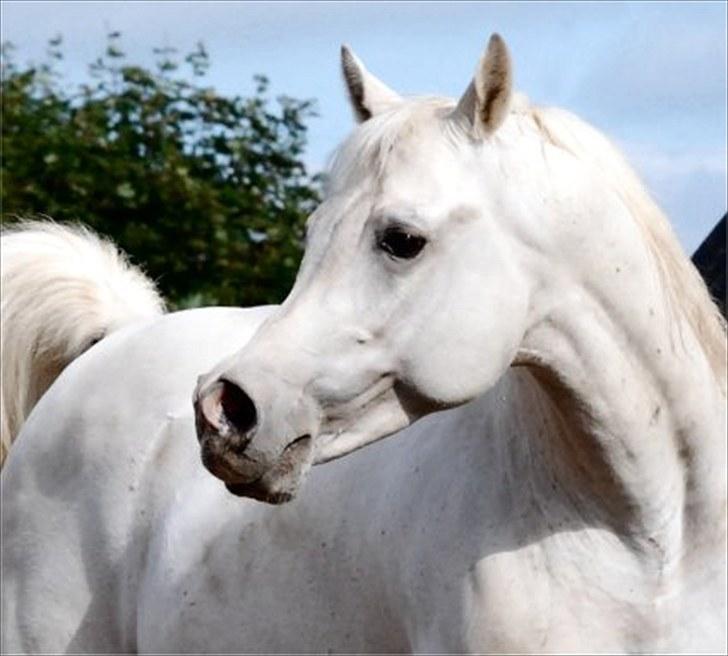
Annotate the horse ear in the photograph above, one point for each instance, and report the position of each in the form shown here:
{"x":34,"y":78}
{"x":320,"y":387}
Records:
{"x":486,"y":101}
{"x":368,"y":95}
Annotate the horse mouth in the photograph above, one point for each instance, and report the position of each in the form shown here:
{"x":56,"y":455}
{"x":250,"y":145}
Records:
{"x":280,"y":482}
{"x":256,"y":490}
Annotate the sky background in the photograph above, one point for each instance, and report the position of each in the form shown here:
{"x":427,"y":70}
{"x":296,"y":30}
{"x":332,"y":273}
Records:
{"x":651,"y":75}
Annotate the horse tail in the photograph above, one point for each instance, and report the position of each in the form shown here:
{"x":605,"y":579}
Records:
{"x":63,"y":289}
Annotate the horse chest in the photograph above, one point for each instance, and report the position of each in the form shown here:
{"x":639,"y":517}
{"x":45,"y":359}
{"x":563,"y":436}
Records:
{"x":380,"y":551}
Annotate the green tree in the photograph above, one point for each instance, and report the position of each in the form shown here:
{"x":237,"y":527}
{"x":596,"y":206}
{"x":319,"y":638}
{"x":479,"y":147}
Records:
{"x":209,"y":193}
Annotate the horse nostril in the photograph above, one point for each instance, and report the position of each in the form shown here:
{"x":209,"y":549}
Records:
{"x":237,"y":407}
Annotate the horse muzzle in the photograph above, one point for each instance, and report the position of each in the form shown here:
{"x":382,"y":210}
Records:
{"x":238,"y":448}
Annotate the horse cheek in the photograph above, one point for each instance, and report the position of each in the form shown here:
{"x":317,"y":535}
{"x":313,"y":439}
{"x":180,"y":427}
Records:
{"x":457,"y":360}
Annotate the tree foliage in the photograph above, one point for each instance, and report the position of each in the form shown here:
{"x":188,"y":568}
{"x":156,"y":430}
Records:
{"x":209,"y":193}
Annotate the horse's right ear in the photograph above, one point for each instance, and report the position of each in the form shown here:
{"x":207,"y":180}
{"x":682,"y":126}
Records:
{"x":487,"y":99}
{"x":368,"y":95}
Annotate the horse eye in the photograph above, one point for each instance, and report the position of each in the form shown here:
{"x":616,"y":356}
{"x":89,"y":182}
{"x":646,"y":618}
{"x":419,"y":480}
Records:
{"x":401,"y":244}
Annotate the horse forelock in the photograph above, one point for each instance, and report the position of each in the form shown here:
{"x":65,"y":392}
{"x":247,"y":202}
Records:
{"x":371,"y":144}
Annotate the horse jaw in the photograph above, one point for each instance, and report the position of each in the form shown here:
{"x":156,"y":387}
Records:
{"x":389,"y":412}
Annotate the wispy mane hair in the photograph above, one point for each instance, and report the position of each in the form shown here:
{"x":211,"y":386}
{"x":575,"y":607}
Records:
{"x":63,"y":288}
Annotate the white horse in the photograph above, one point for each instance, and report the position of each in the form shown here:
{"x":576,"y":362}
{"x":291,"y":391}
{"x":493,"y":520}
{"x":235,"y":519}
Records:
{"x":487,"y":257}
{"x":63,"y":289}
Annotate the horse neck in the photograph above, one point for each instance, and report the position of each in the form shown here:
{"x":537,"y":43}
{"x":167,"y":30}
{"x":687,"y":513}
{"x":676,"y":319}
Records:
{"x":642,"y":438}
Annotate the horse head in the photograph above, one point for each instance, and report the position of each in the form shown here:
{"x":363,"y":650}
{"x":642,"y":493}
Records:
{"x":406,"y":282}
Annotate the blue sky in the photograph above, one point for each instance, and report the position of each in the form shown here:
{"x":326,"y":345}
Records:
{"x":651,"y":75}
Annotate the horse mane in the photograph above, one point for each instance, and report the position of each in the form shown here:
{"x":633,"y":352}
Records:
{"x":684,"y":287}
{"x":685,"y":290}
{"x":63,"y":289}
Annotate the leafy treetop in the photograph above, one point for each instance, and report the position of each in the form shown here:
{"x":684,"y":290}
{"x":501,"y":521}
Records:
{"x":209,"y":193}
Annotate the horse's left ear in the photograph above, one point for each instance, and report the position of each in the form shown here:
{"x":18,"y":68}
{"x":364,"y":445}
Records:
{"x":486,"y":101}
{"x":368,"y":95}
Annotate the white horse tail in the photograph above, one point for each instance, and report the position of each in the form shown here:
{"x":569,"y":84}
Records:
{"x":63,"y":289}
